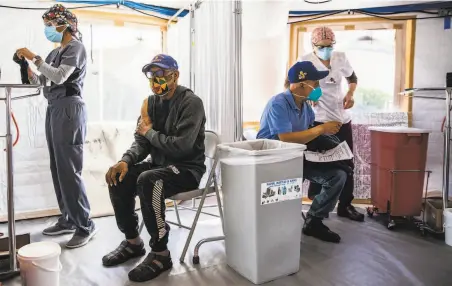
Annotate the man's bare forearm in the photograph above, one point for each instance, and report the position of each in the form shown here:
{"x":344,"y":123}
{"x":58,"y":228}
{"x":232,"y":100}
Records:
{"x":302,"y":137}
{"x":352,"y":87}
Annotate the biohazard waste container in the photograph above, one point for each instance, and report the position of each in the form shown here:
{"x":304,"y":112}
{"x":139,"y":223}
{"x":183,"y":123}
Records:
{"x":398,"y":158}
{"x":262,"y":191}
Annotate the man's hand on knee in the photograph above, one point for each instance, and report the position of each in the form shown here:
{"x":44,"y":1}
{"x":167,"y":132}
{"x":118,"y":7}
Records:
{"x":120,"y":168}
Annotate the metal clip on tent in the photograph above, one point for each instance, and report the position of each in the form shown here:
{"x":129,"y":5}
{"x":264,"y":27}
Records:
{"x":13,"y":270}
{"x":447,"y":133}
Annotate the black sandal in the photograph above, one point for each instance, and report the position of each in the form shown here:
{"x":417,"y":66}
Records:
{"x":151,"y":267}
{"x":124,"y":252}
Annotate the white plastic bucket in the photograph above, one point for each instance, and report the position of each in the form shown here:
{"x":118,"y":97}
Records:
{"x":40,"y":264}
{"x":448,"y":226}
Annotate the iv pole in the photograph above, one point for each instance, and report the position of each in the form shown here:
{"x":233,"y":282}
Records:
{"x":13,"y":270}
{"x":447,"y":132}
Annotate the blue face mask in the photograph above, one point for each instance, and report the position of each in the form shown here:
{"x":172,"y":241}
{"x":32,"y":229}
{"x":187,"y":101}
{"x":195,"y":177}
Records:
{"x":53,"y":35}
{"x":315,"y":93}
{"x":324,"y":53}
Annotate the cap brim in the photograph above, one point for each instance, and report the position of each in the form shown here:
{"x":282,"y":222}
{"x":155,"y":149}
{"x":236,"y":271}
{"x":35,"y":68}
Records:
{"x":321,"y":74}
{"x":148,"y":67}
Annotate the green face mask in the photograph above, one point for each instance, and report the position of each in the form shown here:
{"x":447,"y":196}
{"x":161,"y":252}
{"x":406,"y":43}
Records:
{"x":159,"y":86}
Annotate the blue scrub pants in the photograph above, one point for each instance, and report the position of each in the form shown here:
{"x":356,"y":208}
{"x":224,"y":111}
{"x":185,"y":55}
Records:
{"x":66,"y":120}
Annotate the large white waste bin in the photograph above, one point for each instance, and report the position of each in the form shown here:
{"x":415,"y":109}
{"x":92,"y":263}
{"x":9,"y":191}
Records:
{"x":262,"y":189}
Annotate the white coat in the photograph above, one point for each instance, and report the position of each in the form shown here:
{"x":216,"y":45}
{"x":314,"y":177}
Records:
{"x":330,"y":106}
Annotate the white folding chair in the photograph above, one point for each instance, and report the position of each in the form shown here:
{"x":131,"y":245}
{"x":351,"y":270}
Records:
{"x":211,"y":186}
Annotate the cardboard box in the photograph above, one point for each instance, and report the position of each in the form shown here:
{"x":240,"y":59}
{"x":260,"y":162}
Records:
{"x":434,"y":213}
{"x":21,"y":240}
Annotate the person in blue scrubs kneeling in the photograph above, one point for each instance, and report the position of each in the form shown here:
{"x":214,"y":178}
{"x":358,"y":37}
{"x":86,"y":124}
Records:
{"x":288,"y":117}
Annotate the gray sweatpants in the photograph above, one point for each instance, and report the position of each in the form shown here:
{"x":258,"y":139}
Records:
{"x":65,"y":133}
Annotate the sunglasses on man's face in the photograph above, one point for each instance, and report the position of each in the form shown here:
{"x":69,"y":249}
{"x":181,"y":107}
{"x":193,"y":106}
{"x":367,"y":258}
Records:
{"x":158,"y":73}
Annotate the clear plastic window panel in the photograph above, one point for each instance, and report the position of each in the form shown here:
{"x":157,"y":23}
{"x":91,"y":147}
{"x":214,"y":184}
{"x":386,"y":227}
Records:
{"x":372,"y":55}
{"x":115,"y":87}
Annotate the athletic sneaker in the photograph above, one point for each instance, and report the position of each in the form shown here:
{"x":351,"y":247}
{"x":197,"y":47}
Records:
{"x":58,"y":230}
{"x":80,"y":239}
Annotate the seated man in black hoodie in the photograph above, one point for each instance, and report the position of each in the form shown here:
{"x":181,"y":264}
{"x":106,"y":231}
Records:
{"x":170,"y":130}
{"x":288,"y":117}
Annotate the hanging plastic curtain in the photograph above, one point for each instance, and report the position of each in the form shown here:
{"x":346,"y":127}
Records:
{"x":264,"y":54}
{"x":178,"y":43}
{"x":214,"y":65}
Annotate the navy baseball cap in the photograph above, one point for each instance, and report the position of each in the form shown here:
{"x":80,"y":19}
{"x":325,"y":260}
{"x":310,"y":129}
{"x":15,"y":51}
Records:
{"x":306,"y":70}
{"x":162,"y":61}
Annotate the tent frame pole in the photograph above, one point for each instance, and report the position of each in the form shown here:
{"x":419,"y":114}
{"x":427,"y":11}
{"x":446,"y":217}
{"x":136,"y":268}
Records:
{"x":238,"y":79}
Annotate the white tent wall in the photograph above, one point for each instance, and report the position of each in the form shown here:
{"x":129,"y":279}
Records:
{"x":178,"y":45}
{"x":264,"y":24}
{"x":433,"y":60}
{"x":264,"y":53}
{"x":214,"y":65}
{"x":114,"y":90}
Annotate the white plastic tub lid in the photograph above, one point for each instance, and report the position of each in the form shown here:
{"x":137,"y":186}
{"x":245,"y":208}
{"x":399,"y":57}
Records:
{"x":40,"y":250}
{"x":261,"y":147}
{"x":398,"y":129}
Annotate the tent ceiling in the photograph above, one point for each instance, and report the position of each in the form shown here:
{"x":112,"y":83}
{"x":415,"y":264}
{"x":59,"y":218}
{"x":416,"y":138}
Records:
{"x":167,"y":3}
{"x":300,"y":5}
{"x":295,"y":5}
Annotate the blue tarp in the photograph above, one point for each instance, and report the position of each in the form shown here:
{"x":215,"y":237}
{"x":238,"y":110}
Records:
{"x":166,"y":11}
{"x":132,"y":4}
{"x":386,"y":10}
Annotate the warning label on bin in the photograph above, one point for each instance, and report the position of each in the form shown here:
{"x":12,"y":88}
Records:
{"x":280,"y":191}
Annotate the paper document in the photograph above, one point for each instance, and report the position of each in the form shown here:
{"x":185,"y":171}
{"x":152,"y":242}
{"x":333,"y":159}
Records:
{"x":339,"y":153}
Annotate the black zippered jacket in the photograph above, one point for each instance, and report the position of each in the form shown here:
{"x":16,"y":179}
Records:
{"x":177,"y":134}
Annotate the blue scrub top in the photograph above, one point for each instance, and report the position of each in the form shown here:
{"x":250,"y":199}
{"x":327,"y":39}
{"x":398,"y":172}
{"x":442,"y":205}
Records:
{"x":282,"y":115}
{"x":74,"y":55}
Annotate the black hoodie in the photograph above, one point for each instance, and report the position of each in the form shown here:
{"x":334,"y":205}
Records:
{"x":177,"y":134}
